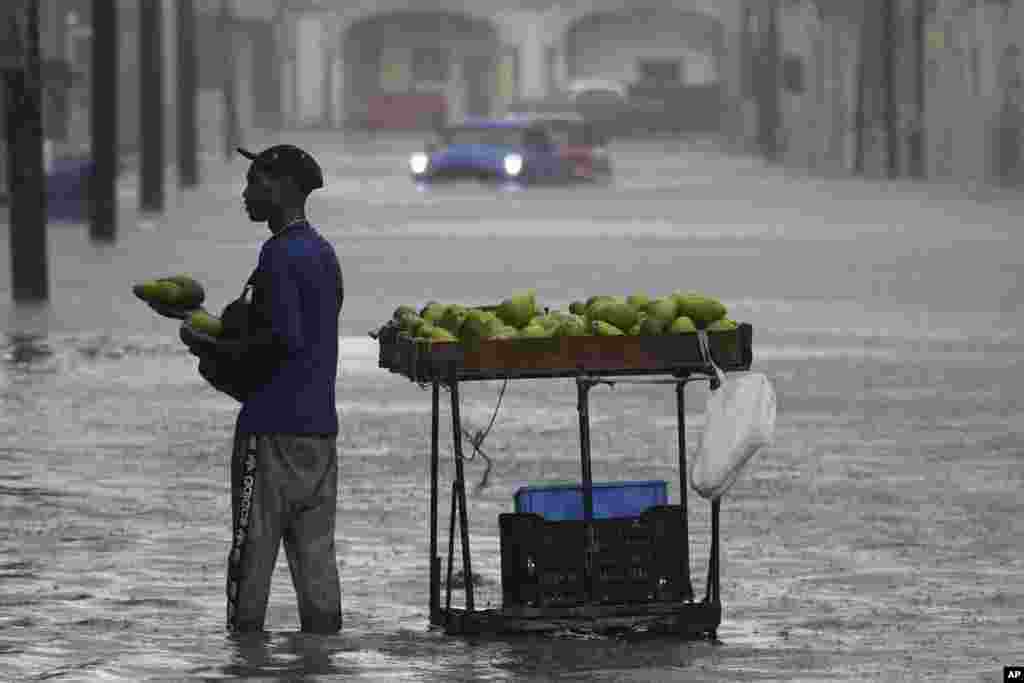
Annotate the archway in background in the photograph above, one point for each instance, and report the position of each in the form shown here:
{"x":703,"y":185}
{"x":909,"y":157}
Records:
{"x":411,"y":70}
{"x":667,"y":57}
{"x":612,"y":44}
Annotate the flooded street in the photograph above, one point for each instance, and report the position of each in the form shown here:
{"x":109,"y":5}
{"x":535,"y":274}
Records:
{"x":878,"y":539}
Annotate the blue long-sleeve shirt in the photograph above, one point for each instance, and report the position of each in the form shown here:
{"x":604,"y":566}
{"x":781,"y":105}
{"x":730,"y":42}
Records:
{"x":297,"y":296}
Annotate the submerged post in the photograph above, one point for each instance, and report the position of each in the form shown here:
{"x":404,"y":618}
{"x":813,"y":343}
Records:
{"x":232,"y":135}
{"x":188,"y":163}
{"x":23,"y":98}
{"x":103,"y":123}
{"x":151,"y":99}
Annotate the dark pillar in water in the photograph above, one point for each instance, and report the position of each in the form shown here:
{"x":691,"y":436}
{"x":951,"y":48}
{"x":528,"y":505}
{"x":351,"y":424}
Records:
{"x":23,"y":98}
{"x":188,"y":163}
{"x":916,"y":164}
{"x":892,"y":135}
{"x":766,"y":78}
{"x":151,"y":110}
{"x":103,"y":122}
{"x":232,"y":135}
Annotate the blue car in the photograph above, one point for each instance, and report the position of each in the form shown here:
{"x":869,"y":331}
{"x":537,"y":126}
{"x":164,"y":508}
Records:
{"x":523,"y":150}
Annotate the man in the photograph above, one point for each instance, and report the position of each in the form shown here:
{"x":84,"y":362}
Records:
{"x":281,"y":362}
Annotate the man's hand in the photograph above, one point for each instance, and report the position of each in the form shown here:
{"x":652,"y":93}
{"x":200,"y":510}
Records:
{"x":195,"y":350}
{"x":214,"y":375}
{"x":229,"y":349}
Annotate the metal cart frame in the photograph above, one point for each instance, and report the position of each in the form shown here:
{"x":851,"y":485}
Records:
{"x":684,"y":617}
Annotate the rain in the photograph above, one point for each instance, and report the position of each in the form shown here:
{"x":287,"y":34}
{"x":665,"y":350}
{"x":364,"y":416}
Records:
{"x":843,"y":177}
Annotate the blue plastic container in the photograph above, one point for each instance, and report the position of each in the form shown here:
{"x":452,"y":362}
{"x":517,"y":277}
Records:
{"x":67,"y":190}
{"x":612,"y":500}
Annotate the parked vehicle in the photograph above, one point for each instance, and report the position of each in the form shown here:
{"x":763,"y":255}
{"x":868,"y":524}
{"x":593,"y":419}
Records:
{"x":648,"y":106}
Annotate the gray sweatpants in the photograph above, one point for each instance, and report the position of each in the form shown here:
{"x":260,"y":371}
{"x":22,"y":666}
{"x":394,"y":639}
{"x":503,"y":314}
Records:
{"x":284,"y":487}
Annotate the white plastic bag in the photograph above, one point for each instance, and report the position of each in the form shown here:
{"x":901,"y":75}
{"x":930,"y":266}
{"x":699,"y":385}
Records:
{"x":740,"y":420}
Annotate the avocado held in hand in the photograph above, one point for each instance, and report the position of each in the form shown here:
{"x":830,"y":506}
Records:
{"x":158,"y":292}
{"x":191,"y":294}
{"x":178,"y":290}
{"x":201,"y":321}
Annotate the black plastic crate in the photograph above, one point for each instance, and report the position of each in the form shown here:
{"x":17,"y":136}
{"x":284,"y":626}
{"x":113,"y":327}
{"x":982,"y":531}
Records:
{"x":635,"y":560}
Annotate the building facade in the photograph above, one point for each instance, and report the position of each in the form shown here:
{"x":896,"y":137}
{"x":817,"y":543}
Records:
{"x":386,"y":63}
{"x":400,"y":63}
{"x":232,"y":48}
{"x":881,"y":88}
{"x":892,"y":88}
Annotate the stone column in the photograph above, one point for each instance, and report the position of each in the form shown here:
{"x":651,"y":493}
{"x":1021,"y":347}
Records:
{"x":507,"y":85}
{"x":731,"y":65}
{"x":310,"y":69}
{"x":284,"y":34}
{"x":533,"y":79}
{"x":243,"y":82}
{"x":456,"y":89}
{"x":336,"y":62}
{"x":338,"y":81}
{"x":559,"y":64}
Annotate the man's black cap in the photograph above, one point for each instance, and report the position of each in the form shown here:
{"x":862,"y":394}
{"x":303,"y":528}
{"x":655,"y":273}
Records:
{"x":288,"y":160}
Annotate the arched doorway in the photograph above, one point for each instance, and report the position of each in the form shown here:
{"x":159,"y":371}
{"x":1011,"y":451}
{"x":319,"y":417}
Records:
{"x":413,"y":70}
{"x":667,"y":57}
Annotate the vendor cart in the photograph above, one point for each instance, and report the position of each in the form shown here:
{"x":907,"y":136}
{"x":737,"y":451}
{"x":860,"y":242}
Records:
{"x":592,"y":573}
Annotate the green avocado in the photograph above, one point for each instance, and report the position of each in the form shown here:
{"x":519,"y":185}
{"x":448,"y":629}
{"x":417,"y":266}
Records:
{"x":702,"y":310}
{"x":191,"y":295}
{"x":723,"y":325}
{"x":206,"y":323}
{"x":605,"y":329}
{"x":682,"y":325}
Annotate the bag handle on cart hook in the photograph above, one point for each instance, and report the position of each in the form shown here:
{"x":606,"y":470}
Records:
{"x":705,"y":352}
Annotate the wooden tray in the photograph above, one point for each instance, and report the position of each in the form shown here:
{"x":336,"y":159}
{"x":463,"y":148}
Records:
{"x":563,"y":356}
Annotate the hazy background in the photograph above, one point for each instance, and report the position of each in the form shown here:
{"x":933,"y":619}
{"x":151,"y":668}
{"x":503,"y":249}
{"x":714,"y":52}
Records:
{"x":842,"y":177}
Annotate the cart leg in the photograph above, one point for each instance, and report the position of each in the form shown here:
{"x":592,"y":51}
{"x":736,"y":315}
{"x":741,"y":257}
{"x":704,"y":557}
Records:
{"x":460,"y":491}
{"x":582,"y":405}
{"x":435,"y":565}
{"x":716,"y":584}
{"x":451,"y":555}
{"x":711,"y":594}
{"x":681,"y":419}
{"x":711,"y":563}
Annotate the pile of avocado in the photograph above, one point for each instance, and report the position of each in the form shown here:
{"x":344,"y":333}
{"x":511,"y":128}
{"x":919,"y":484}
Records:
{"x":519,"y":317}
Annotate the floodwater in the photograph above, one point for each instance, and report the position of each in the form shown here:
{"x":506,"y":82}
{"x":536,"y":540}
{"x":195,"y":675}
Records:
{"x":878,"y":539}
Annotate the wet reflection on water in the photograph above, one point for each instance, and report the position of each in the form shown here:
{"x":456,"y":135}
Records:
{"x":25,"y":349}
{"x":433,"y":656}
{"x":861,"y":533}
{"x":288,"y":655}
{"x":878,"y":539}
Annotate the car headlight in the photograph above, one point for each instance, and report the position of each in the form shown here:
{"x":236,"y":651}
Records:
{"x":418,"y":162}
{"x":513,"y":164}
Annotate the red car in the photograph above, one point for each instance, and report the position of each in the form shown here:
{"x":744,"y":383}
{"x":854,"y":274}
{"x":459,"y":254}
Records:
{"x":579,"y":143}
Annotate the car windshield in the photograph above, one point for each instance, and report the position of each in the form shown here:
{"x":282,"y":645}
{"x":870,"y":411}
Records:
{"x":470,"y":135}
